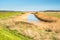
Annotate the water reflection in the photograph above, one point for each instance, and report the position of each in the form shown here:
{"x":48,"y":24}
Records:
{"x":31,"y":17}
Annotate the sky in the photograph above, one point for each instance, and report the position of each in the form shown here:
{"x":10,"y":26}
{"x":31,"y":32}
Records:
{"x":29,"y":5}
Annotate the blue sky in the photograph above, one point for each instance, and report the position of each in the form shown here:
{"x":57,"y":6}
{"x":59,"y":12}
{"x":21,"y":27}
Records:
{"x":29,"y":5}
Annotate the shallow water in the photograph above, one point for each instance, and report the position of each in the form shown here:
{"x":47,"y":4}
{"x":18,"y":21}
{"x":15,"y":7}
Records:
{"x":31,"y":17}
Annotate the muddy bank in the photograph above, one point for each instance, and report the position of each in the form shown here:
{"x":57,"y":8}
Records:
{"x":45,"y":18}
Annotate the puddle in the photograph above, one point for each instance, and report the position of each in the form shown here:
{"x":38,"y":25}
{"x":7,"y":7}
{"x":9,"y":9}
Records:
{"x":31,"y":18}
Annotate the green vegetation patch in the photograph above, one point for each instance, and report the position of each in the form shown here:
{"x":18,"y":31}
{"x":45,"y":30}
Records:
{"x":6,"y":34}
{"x":4,"y":15}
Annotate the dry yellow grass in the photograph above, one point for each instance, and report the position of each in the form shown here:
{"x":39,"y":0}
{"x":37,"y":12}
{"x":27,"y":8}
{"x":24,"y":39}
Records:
{"x":53,"y":26}
{"x":44,"y":17}
{"x":38,"y":31}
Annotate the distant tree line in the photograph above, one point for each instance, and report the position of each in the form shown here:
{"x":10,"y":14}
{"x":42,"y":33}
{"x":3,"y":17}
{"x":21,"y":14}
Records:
{"x":9,"y":11}
{"x":52,"y":11}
